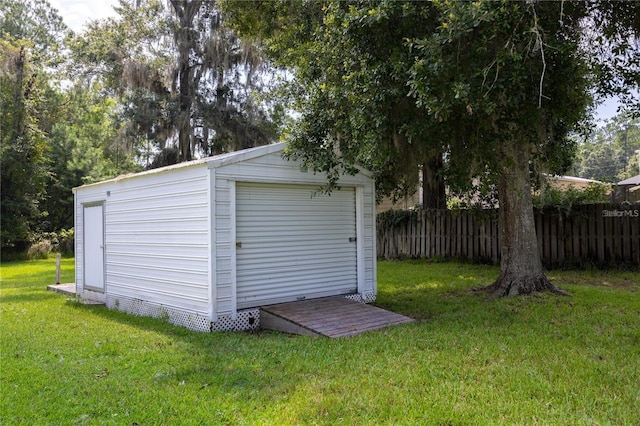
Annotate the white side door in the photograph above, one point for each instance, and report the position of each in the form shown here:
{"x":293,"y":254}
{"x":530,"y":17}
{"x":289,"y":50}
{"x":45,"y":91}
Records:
{"x":93,"y":226}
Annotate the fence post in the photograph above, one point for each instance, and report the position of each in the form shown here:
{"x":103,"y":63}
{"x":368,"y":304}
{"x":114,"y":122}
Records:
{"x":58,"y":258}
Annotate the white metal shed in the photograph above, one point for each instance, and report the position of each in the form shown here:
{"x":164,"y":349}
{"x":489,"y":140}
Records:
{"x":205,"y":243}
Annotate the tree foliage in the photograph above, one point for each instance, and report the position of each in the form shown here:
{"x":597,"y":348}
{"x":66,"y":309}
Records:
{"x":52,"y":138}
{"x":563,"y":199}
{"x":37,"y":22}
{"x":23,"y":145}
{"x":351,"y":66}
{"x":185,"y":79}
{"x":610,"y":153}
{"x":83,"y":148}
{"x":30,"y":48}
{"x":611,"y":36}
{"x":498,"y":86}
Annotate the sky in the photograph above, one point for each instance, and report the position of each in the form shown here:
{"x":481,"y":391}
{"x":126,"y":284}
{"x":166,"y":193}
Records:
{"x":608,"y":109}
{"x":77,"y":13}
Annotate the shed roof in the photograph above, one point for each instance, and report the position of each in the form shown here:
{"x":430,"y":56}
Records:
{"x":210,"y":162}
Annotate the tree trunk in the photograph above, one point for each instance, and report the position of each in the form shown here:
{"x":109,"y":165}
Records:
{"x":184,"y":118}
{"x":433,"y":191}
{"x":521,"y":270}
{"x":186,"y":11}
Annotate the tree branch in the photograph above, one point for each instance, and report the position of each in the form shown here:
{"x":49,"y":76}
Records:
{"x":539,"y":44}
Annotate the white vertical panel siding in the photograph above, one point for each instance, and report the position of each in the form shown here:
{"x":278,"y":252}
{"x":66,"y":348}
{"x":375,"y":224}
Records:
{"x":157,"y":241}
{"x":290,"y":245}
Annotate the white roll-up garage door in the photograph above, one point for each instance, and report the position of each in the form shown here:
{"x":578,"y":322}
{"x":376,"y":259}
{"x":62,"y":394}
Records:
{"x":291,"y":245}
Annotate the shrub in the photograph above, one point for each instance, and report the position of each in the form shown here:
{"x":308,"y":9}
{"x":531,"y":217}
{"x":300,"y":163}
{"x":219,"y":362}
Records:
{"x":66,"y":241}
{"x":47,"y":242}
{"x":39,"y":249}
{"x":564,"y":199}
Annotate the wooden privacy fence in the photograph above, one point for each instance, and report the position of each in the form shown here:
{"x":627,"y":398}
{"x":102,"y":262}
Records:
{"x":590,"y":234}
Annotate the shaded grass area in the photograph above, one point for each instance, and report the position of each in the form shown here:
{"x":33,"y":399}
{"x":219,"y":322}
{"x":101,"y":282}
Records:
{"x":531,"y":360}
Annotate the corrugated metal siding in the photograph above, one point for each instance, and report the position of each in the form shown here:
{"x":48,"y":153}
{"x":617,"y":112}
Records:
{"x":156,"y":238}
{"x":293,"y":245}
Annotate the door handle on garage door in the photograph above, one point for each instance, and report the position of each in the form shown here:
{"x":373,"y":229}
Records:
{"x":352,"y":239}
{"x":238,"y":245}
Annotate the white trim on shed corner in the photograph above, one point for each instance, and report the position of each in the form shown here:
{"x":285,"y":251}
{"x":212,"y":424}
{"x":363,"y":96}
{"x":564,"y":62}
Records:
{"x":234,"y":269}
{"x":213,"y":289}
{"x":360,"y":258}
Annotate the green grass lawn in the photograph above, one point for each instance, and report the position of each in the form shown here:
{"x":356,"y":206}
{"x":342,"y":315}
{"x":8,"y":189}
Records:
{"x":531,"y":360}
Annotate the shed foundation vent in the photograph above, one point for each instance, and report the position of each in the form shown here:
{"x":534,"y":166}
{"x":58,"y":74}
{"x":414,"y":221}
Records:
{"x":362,"y":298}
{"x":248,"y":319}
{"x":174,"y":316}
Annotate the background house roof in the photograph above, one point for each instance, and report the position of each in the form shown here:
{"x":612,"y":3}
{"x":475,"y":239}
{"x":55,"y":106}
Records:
{"x":635,"y":180}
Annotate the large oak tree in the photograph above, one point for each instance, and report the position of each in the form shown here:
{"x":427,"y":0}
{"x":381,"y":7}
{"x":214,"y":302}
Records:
{"x":499,"y":86}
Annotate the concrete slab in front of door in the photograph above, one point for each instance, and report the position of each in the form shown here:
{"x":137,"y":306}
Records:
{"x":70,"y":290}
